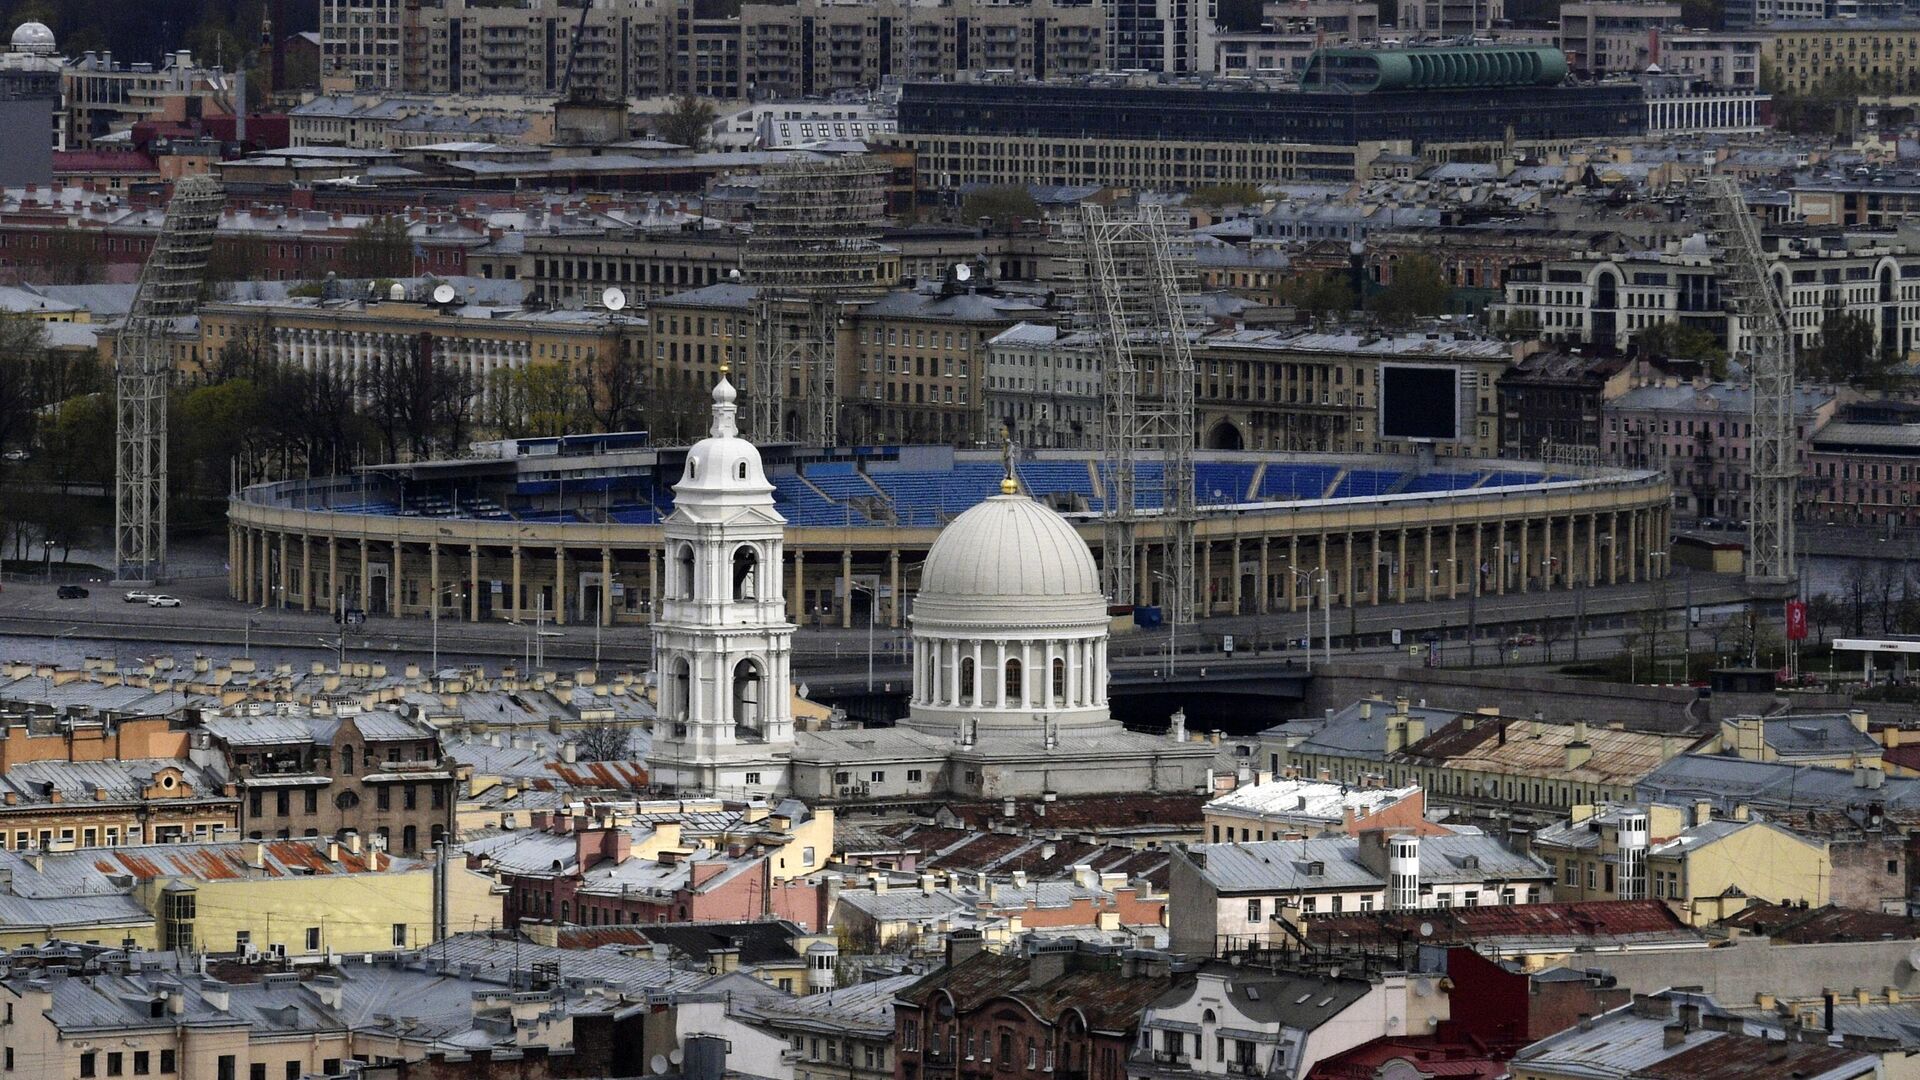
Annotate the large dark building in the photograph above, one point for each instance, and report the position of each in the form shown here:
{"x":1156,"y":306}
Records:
{"x":1352,"y":105}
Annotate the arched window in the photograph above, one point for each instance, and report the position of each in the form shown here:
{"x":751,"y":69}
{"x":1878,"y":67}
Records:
{"x":1006,"y":1047}
{"x":740,"y":471}
{"x":748,"y":721}
{"x":1060,"y":680}
{"x":346,"y":757}
{"x":746,"y":573}
{"x":966,"y":680}
{"x":410,"y":839}
{"x":1013,"y":681}
{"x":679,"y":683}
{"x":683,"y":572}
{"x":693,"y":468}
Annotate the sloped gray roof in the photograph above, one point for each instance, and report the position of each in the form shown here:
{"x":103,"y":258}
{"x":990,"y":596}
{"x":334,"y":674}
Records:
{"x":1276,"y":866}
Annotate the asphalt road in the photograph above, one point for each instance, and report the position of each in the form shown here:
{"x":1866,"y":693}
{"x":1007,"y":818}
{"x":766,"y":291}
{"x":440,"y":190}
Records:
{"x":208,"y":621}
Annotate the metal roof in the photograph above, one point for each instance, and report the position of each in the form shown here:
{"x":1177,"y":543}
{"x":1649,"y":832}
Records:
{"x":1276,"y":866}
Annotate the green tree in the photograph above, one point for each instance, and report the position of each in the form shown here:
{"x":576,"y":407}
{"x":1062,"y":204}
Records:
{"x":1003,"y":206}
{"x":688,"y":121}
{"x":380,"y":248}
{"x":1846,"y":351}
{"x":1321,"y":295}
{"x":22,"y":350}
{"x":1679,"y":341}
{"x":1418,"y":288}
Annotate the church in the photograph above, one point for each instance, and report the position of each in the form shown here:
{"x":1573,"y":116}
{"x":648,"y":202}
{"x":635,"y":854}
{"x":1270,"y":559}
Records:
{"x":1009,"y":658}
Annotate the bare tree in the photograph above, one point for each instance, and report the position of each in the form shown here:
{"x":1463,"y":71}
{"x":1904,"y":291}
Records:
{"x":1552,"y":631}
{"x":604,"y":740}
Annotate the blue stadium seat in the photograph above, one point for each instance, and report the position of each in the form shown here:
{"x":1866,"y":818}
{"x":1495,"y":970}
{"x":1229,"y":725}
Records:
{"x":1287,"y":481}
{"x":1366,"y":483}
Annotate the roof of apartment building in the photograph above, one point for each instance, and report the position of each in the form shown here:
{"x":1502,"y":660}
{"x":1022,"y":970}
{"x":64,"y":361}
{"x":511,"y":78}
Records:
{"x":1309,"y":800}
{"x":861,"y":1010}
{"x":1731,"y":781}
{"x":1512,"y":927}
{"x":125,"y":1000}
{"x":47,"y":783}
{"x":106,"y":871}
{"x":1793,"y":925}
{"x":1095,"y":985}
{"x":1333,"y":863}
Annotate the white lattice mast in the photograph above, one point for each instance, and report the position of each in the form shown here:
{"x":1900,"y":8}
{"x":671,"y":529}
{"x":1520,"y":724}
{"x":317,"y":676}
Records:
{"x":169,"y":289}
{"x":815,"y":246}
{"x":1771,"y":564}
{"x":1131,"y":285}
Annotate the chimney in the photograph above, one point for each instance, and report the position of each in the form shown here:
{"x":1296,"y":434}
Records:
{"x":963,"y":945}
{"x":1674,"y":1035}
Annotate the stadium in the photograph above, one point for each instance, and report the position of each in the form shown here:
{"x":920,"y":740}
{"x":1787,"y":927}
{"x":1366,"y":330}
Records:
{"x":568,"y":528}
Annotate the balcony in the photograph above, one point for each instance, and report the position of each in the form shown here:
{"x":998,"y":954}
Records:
{"x":1162,"y":1060}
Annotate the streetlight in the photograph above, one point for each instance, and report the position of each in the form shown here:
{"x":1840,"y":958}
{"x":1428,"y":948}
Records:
{"x":1310,"y":575}
{"x":1173,"y":623}
{"x":606,"y":606}
{"x":246,"y":637}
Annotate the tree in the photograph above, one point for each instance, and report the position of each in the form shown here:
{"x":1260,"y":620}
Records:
{"x":1857,"y":587}
{"x":612,"y":385}
{"x":1418,"y":287}
{"x":1823,"y":611}
{"x":1678,"y":341}
{"x":603,"y":741}
{"x":1322,"y":296}
{"x":379,"y":248}
{"x":1846,"y":350}
{"x":22,"y":347}
{"x":689,"y":121}
{"x":1002,"y":206}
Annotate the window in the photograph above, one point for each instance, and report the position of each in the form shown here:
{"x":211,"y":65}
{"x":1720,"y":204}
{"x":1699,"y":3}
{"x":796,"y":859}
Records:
{"x":399,"y":935}
{"x":87,"y":1063}
{"x":753,"y":779}
{"x":224,"y":1068}
{"x":878,"y":776}
{"x":384,"y":797}
{"x":257,"y":1071}
{"x":1033,"y":1053}
{"x":913,"y":777}
{"x":166,"y":1062}
{"x":313,"y":939}
{"x":1253,"y":910}
{"x":241,"y":940}
{"x":142,"y":1062}
{"x":312,"y":800}
{"x":293,"y":1070}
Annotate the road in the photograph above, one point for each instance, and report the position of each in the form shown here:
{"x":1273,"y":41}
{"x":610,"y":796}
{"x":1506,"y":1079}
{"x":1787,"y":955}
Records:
{"x":208,"y":621}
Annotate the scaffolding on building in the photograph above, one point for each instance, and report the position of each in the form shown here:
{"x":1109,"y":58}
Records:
{"x":1772,"y":569}
{"x":815,"y":248}
{"x":169,"y":289}
{"x":1130,"y":285}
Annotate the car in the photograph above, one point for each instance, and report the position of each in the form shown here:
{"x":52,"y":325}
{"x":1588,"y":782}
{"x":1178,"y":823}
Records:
{"x":71,"y":592}
{"x":163,"y":600}
{"x":17,"y":455}
{"x":137,"y":597}
{"x":1523,"y":639}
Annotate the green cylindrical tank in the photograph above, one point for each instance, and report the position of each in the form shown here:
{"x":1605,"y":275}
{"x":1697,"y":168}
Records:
{"x":1366,"y":70}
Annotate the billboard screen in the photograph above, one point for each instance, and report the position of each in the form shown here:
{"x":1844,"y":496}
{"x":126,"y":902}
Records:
{"x":1419,"y":402}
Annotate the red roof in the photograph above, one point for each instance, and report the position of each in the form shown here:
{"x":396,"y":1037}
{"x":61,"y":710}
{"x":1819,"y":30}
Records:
{"x":1426,"y":1053}
{"x":102,"y":161}
{"x":1577,"y":921}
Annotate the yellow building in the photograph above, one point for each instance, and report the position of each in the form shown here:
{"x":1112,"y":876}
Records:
{"x":1883,"y":53}
{"x":1703,"y":867}
{"x":1829,"y":740}
{"x":299,"y":897}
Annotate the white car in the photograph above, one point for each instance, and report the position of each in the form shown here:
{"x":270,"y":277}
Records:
{"x":163,"y":600}
{"x":138,"y":597}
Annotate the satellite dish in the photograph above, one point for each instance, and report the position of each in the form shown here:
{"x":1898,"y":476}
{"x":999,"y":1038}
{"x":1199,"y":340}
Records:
{"x":443,"y":293}
{"x":1423,"y":988}
{"x":1426,"y":929}
{"x":733,"y":275}
{"x":659,"y":1064}
{"x":675,"y":1056}
{"x":613,"y":299}
{"x":962,"y":272}
{"x":397,"y":292}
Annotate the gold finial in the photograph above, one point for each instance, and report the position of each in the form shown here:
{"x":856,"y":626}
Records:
{"x":725,"y":367}
{"x":1008,"y":485}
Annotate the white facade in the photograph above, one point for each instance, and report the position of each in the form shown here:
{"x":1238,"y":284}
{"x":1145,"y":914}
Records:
{"x":1009,"y":627}
{"x":360,"y":42}
{"x":723,"y":640}
{"x":1043,"y":387}
{"x":1243,"y":1021}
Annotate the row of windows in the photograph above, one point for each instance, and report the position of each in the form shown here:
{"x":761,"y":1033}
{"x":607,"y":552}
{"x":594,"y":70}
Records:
{"x":143,"y":1063}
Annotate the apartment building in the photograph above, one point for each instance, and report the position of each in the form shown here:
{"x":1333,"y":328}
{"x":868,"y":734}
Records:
{"x":1319,"y":393}
{"x":1701,"y":434}
{"x":1605,"y":300}
{"x":1044,"y":386}
{"x":1801,"y":55}
{"x":1602,"y":36}
{"x":1863,"y":466}
{"x":104,"y":97}
{"x":360,"y":44}
{"x":77,"y":780}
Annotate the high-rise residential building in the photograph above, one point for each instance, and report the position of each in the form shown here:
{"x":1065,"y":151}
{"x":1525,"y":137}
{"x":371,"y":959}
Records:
{"x":360,"y":43}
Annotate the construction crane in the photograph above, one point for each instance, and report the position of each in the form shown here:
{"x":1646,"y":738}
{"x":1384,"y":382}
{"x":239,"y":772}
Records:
{"x":1130,"y":287}
{"x":169,"y":289}
{"x":1759,"y":311}
{"x":573,"y":51}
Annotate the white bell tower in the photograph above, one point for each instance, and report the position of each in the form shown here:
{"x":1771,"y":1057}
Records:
{"x":721,"y":631}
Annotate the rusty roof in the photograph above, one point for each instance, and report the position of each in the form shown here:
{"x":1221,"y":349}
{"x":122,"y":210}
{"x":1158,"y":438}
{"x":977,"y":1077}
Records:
{"x":1583,"y":921}
{"x":1749,"y":1057}
{"x":604,"y":775}
{"x":1802,"y":926}
{"x":1092,"y":984}
{"x":1092,"y":813}
{"x":1537,"y":749}
{"x":91,"y":871}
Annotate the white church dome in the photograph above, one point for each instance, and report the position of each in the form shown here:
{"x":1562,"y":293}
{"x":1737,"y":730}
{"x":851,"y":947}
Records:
{"x":724,"y":464}
{"x":1010,"y":546}
{"x":33,"y":37}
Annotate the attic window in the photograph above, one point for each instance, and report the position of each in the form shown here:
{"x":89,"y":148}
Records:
{"x":1323,"y":1003}
{"x":1302,"y":999}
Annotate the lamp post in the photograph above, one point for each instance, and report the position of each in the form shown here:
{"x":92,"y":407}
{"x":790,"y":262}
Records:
{"x":607,"y":606}
{"x":1308,"y":576}
{"x":1173,"y":625}
{"x":246,"y":637}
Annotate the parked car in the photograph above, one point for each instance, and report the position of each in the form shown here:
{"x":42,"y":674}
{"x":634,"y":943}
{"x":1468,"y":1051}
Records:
{"x":71,"y":592}
{"x":137,"y":597}
{"x":163,"y":600}
{"x":17,"y":455}
{"x":1523,"y":640}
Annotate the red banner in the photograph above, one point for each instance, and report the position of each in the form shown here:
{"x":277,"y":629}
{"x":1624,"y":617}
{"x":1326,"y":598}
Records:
{"x":1796,"y":620}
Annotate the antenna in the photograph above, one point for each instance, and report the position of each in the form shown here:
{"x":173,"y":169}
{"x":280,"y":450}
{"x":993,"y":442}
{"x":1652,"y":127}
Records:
{"x":962,"y":272}
{"x":443,"y":293}
{"x":613,"y":299}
